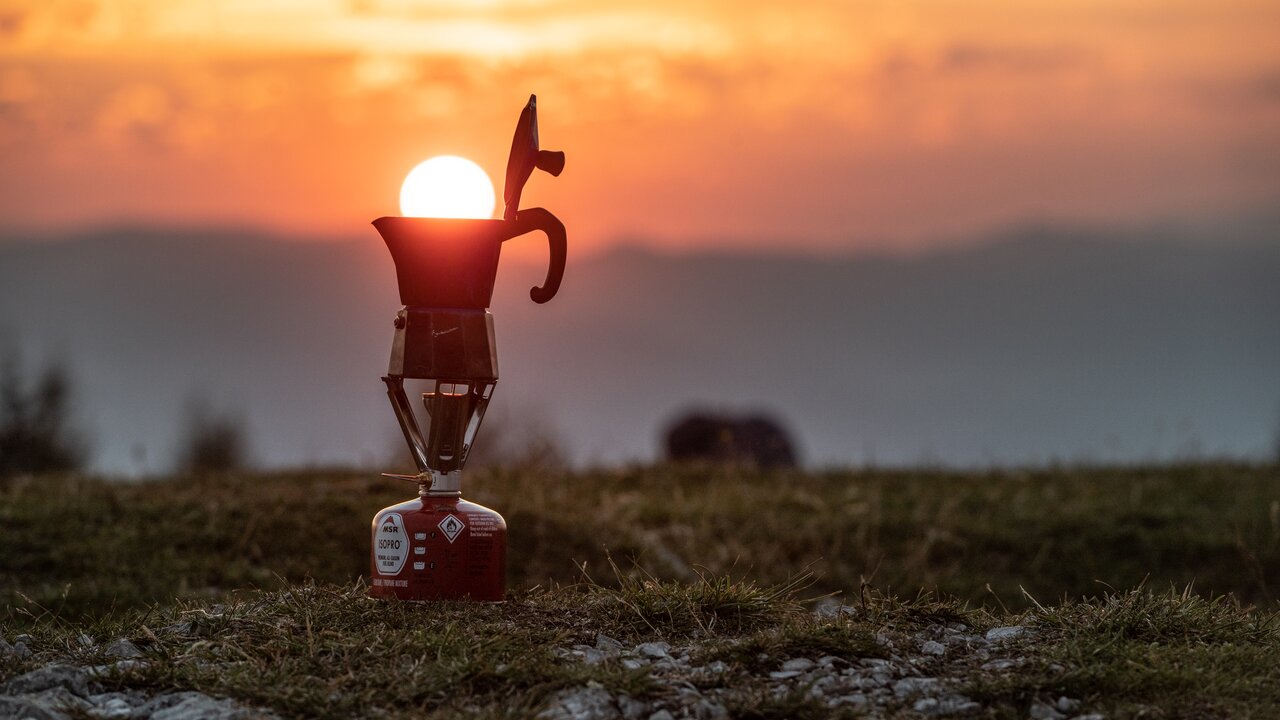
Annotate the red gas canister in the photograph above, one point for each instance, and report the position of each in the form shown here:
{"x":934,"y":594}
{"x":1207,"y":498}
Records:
{"x":439,"y":548}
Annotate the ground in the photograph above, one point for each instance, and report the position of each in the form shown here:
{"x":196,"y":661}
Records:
{"x":654,"y":593}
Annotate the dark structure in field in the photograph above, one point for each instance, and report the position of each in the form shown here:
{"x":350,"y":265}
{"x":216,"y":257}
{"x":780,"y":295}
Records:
{"x":713,"y":437}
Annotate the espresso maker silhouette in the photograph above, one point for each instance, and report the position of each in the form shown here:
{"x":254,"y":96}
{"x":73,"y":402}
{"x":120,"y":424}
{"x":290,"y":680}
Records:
{"x":439,"y":546}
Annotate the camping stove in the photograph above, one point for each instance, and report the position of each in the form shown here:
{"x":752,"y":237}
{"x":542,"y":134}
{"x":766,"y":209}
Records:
{"x":438,"y":546}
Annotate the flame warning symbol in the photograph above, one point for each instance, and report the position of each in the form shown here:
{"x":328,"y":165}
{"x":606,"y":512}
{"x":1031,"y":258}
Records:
{"x":451,"y":527}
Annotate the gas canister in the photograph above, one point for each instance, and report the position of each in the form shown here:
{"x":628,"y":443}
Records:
{"x":439,"y":548}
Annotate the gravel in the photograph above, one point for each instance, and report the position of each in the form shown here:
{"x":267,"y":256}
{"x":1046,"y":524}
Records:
{"x":58,"y":691}
{"x":919,"y":676}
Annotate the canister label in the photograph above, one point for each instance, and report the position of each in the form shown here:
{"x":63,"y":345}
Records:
{"x":390,"y":544}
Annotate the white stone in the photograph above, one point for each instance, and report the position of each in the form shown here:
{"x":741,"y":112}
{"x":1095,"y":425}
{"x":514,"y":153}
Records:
{"x":710,"y":710}
{"x":1005,"y":633}
{"x":198,"y":706}
{"x":607,"y":644}
{"x":1067,"y":705}
{"x":1042,"y":711}
{"x":933,"y":647}
{"x":906,"y":687}
{"x":123,"y":649}
{"x":632,"y":709}
{"x":592,"y":702}
{"x":50,"y":676}
{"x":113,"y":709}
{"x":801,"y":664}
{"x":653,"y":649}
{"x":855,"y":700}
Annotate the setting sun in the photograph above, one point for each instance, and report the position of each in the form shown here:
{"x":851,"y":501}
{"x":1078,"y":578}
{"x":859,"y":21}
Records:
{"x":447,"y":186}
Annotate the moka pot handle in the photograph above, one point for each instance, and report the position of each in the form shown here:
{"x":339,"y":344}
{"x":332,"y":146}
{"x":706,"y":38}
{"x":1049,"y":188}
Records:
{"x":541,"y":219}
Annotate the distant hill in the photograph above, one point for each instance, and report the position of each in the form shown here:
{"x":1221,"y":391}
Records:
{"x":1038,"y":345}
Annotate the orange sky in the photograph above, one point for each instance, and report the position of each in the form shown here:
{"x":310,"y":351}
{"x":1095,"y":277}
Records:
{"x":829,"y":125}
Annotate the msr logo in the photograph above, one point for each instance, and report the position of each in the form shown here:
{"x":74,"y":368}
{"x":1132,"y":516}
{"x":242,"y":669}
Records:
{"x":451,"y":527}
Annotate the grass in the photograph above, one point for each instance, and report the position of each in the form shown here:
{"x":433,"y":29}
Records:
{"x":1186,"y":655}
{"x":980,"y":537}
{"x":249,"y":586}
{"x":329,"y":651}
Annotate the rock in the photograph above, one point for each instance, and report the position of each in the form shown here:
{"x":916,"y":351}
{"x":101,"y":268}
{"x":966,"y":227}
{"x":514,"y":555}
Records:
{"x":881,"y":677}
{"x":857,"y":701}
{"x":716,"y":667}
{"x":662,"y":715}
{"x":706,"y":709}
{"x":828,"y":660}
{"x":1067,"y":705}
{"x":589,"y":655}
{"x":907,"y":687}
{"x":97,"y":671}
{"x":196,"y":706}
{"x":122,"y":649}
{"x":933,"y":647}
{"x":1001,"y":634}
{"x":800,"y":664}
{"x":592,"y":702}
{"x":178,"y":628}
{"x":50,"y":676}
{"x":592,"y":656}
{"x":785,"y":674}
{"x":607,"y":644}
{"x":927,"y":706}
{"x":1044,"y":711}
{"x":17,"y":651}
{"x":948,"y":705}
{"x":633,"y":663}
{"x":85,"y":640}
{"x":652,"y":649}
{"x":1000,"y":664}
{"x":28,"y":708}
{"x":632,"y":709}
{"x":113,"y":709}
{"x":1090,"y":716}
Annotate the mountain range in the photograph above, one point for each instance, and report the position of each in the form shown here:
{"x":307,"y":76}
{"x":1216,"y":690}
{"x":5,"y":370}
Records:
{"x":1039,"y":344}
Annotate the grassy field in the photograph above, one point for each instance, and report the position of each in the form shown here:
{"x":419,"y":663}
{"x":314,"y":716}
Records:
{"x":1116,"y":573}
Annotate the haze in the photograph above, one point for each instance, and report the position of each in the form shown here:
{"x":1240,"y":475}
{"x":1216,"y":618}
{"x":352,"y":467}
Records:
{"x":983,"y":232}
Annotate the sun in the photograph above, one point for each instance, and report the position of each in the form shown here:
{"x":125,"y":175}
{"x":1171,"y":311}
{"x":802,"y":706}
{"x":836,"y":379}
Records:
{"x":447,"y":186}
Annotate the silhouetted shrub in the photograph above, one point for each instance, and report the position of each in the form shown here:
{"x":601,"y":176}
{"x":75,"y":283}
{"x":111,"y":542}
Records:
{"x":713,"y":437}
{"x":35,"y":423}
{"x":212,"y":442}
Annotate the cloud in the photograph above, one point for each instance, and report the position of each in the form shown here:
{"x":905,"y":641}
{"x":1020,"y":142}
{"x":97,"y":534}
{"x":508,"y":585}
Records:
{"x":139,"y":113}
{"x":1022,"y":59}
{"x":11,"y":24}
